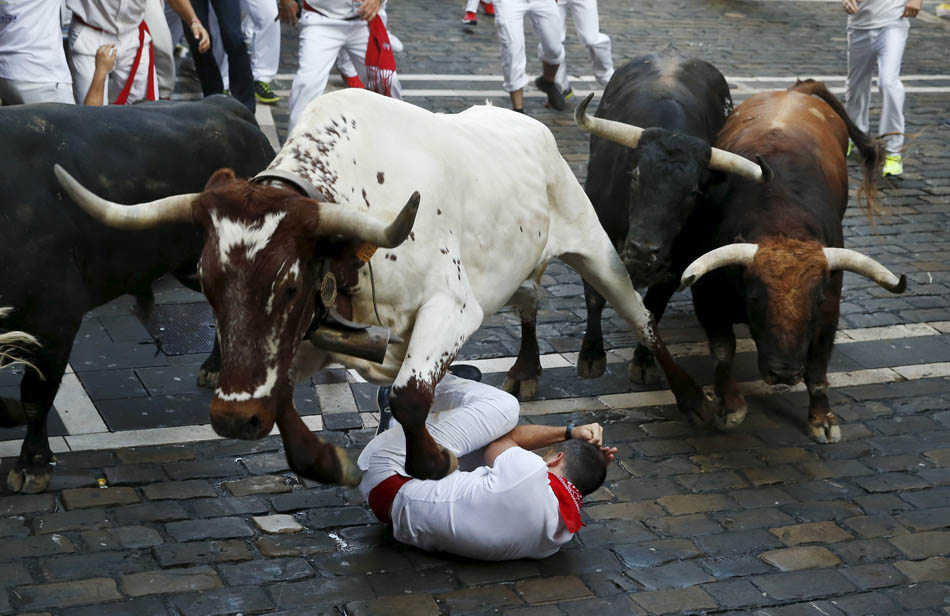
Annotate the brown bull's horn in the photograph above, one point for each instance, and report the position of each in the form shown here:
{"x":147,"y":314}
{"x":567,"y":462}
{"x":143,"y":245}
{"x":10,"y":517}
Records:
{"x":728,"y":162}
{"x":732,"y":254}
{"x":625,"y":134}
{"x":853,"y":261}
{"x":345,"y":220}
{"x":176,"y":208}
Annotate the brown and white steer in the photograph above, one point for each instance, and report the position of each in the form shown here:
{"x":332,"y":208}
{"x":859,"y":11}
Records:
{"x":497,"y":203}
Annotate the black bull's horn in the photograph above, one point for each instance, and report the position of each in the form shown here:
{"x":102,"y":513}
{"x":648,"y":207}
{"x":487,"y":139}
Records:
{"x":629,"y":136}
{"x":333,"y":219}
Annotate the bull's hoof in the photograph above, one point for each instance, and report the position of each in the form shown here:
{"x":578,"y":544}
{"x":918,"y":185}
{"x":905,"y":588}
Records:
{"x":591,"y":365}
{"x":524,"y":389}
{"x":28,"y":481}
{"x":446,"y":464}
{"x":824,"y":432}
{"x":644,"y":374}
{"x":208,"y":378}
{"x":350,"y":475}
{"x":727,"y":419}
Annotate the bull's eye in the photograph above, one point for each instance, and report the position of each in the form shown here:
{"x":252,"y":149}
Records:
{"x":291,"y":292}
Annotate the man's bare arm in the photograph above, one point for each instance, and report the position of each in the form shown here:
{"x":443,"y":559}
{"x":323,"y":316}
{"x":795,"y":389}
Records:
{"x":187,"y":14}
{"x":534,"y":437}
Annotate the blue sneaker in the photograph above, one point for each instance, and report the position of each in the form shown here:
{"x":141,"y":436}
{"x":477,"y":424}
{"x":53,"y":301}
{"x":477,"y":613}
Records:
{"x":385,"y":414}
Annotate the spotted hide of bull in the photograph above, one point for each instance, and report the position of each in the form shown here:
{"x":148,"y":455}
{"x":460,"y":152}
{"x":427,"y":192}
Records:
{"x":497,"y":202}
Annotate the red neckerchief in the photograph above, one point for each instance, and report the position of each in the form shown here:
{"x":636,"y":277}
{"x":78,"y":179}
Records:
{"x":380,"y":61}
{"x":568,"y":500}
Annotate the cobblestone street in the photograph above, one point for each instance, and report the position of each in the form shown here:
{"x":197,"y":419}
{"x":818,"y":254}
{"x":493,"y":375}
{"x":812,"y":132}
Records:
{"x":758,"y":521}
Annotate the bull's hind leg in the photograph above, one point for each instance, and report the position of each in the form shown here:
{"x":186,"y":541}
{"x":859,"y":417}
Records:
{"x":522,"y":378}
{"x":592,"y":360}
{"x":597,"y":262}
{"x":442,"y":325}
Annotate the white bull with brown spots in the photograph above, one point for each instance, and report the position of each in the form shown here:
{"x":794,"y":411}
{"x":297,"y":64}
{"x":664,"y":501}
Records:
{"x":497,"y":203}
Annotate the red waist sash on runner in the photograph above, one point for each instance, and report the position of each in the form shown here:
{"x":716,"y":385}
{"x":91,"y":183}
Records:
{"x":123,"y":97}
{"x":382,"y":496}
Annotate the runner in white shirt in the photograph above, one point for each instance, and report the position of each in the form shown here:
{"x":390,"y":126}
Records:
{"x":32,"y":62}
{"x":518,"y":505}
{"x":328,"y":27}
{"x":877,"y":34}
{"x":120,"y":23}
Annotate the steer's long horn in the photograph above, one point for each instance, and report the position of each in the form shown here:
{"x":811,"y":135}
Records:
{"x":344,"y":220}
{"x":732,"y":254}
{"x":626,"y":134}
{"x":853,"y":261}
{"x":177,"y":208}
{"x":728,"y":162}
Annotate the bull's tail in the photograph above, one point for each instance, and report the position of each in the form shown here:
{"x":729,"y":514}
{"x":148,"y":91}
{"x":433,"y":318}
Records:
{"x":14,"y":344}
{"x":872,"y":150}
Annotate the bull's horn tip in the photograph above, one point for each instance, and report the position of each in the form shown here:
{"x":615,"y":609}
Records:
{"x":687,"y":280}
{"x":901,"y":285}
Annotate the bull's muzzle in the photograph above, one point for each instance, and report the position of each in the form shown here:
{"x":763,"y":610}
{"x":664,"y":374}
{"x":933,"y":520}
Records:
{"x":645,"y":262}
{"x":249,"y":420}
{"x":777,"y":372}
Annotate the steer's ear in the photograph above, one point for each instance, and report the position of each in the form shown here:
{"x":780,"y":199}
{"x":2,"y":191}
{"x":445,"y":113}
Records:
{"x":219,"y":178}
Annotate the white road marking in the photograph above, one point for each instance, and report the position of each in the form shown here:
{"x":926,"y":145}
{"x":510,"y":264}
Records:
{"x":265,"y":119}
{"x":75,"y":408}
{"x":336,"y":398}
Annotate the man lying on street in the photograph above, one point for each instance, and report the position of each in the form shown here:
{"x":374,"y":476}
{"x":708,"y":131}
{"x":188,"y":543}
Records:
{"x":518,"y":505}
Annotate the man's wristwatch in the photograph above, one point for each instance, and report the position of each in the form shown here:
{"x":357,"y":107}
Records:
{"x":568,"y":429}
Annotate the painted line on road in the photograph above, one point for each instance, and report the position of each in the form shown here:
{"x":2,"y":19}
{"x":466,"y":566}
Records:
{"x":265,"y":119}
{"x":631,"y":400}
{"x":590,"y":78}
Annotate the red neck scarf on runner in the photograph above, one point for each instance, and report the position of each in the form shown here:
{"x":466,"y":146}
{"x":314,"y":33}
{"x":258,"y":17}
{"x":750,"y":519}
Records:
{"x":568,"y":500}
{"x":380,"y":61}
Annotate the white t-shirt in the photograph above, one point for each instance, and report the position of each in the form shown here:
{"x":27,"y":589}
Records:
{"x":502,"y":512}
{"x":877,"y":14}
{"x":31,"y":42}
{"x":111,"y":16}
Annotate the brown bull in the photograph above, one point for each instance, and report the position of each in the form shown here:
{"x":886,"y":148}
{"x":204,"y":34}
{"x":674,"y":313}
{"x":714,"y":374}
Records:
{"x":785,"y":235}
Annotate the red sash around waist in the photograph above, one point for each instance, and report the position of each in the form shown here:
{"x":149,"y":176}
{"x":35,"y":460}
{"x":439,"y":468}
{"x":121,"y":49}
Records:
{"x":382,"y":496}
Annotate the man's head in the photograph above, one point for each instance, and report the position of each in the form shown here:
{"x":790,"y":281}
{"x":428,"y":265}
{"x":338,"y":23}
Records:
{"x":579,"y":462}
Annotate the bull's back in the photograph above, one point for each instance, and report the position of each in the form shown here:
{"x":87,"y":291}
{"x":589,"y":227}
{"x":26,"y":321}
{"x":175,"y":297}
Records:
{"x":485,"y":178}
{"x":787,"y":122}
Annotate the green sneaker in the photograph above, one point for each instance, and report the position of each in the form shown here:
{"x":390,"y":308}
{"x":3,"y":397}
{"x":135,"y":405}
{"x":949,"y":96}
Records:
{"x":264,"y":94}
{"x":569,"y":94}
{"x":850,"y":147}
{"x":892,"y":165}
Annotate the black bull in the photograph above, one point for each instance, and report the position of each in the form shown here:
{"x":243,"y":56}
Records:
{"x":643,"y":186}
{"x":58,"y":263}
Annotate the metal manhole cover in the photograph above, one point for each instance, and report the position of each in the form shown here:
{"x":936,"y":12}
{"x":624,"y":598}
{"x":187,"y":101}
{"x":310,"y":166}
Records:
{"x":181,"y":329}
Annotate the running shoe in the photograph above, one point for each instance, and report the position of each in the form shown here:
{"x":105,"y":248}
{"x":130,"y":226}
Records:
{"x":465,"y":371}
{"x":264,"y":94}
{"x":569,"y":94}
{"x":470,"y":19}
{"x":385,"y":413}
{"x":893,"y":165}
{"x":850,"y":147}
{"x":555,"y":97}
{"x":487,"y":7}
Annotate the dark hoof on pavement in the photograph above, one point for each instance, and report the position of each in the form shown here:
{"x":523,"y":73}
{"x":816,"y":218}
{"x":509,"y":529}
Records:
{"x":524,"y":389}
{"x":591,"y":366}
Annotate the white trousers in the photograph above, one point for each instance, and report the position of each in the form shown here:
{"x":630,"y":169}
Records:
{"x":346,"y":67}
{"x":464,"y":418}
{"x":509,"y":22}
{"x":15,"y":92}
{"x":262,"y":29}
{"x":886,"y":46}
{"x":321,"y":41}
{"x":162,"y":46}
{"x":472,"y":5}
{"x":83,"y":44}
{"x":587,"y":26}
